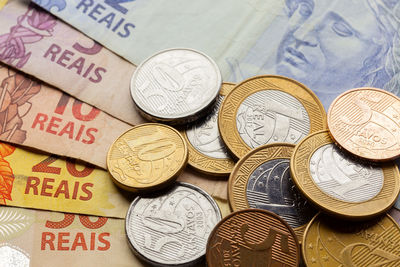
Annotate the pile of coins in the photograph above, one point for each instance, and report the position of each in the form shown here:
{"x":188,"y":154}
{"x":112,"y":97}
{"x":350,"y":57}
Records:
{"x":305,"y":189}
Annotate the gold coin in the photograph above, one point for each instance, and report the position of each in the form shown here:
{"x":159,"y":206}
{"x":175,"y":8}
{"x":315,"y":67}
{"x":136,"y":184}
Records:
{"x":332,"y":243}
{"x":268,"y":109}
{"x":207,"y":152}
{"x":261,"y":179}
{"x":366,"y":122}
{"x":340,"y":184}
{"x":148,"y":156}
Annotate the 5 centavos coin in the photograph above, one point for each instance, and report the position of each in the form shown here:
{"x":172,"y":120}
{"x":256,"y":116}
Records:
{"x":331,"y":243}
{"x":148,"y":156}
{"x":261,"y":179}
{"x":366,"y":123}
{"x":172,"y":229}
{"x":268,"y":109}
{"x":252,"y":237}
{"x":175,"y":85}
{"x":207,"y":152}
{"x":340,"y":184}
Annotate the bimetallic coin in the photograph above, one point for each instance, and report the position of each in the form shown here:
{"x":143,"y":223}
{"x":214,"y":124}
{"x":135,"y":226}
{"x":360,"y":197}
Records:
{"x":331,"y":243}
{"x":252,"y":237}
{"x":366,"y":123}
{"x":261,"y":179}
{"x":268,"y":109}
{"x":175,"y":85}
{"x":172,"y":229}
{"x":147,"y":157}
{"x":207,"y":152}
{"x":339,"y":183}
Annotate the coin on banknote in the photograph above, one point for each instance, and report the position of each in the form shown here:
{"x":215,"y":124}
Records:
{"x":339,"y":183}
{"x":261,"y":179}
{"x":252,"y":237}
{"x":268,"y":109}
{"x":171,"y":229}
{"x":147,"y":157}
{"x":329,"y":243}
{"x":176,"y":85}
{"x":207,"y":152}
{"x":366,"y":123}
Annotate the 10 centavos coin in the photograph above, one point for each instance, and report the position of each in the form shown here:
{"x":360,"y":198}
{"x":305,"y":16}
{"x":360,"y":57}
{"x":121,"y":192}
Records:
{"x":366,"y":122}
{"x":175,"y":85}
{"x":332,"y":243}
{"x":172,"y":229}
{"x":252,"y":237}
{"x":340,"y":184}
{"x":261,"y":179}
{"x":147,"y":157}
{"x":268,"y":109}
{"x":207,"y":152}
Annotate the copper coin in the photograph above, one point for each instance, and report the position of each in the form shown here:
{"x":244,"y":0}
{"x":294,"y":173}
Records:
{"x":252,"y":237}
{"x":366,"y":122}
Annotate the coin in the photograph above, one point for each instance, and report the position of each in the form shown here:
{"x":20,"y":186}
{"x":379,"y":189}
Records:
{"x":175,"y":85}
{"x":340,"y":184}
{"x":268,"y":109}
{"x":172,"y":229}
{"x":252,"y":237}
{"x":366,"y":123}
{"x":147,"y":157}
{"x":331,"y":243}
{"x":261,"y":179}
{"x":207,"y":152}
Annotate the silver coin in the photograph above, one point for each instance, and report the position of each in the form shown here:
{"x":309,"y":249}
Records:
{"x":175,"y":85}
{"x":270,"y":187}
{"x":172,"y":229}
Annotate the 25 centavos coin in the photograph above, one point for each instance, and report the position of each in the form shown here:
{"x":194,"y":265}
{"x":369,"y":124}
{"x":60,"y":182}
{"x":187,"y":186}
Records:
{"x":252,"y":237}
{"x":268,"y":109}
{"x":261,"y":179}
{"x":207,"y":152}
{"x":340,"y":184}
{"x":331,"y":243}
{"x":172,"y":229}
{"x":147,"y":157}
{"x":175,"y":85}
{"x":366,"y":122}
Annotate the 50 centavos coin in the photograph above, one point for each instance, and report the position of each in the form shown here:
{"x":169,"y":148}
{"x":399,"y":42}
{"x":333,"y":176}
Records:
{"x":172,"y":229}
{"x":340,"y":184}
{"x":147,"y":157}
{"x":252,"y":237}
{"x":207,"y":152}
{"x":268,"y":109}
{"x":366,"y":122}
{"x":175,"y":85}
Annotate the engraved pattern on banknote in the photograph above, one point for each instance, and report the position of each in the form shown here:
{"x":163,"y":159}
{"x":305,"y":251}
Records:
{"x":12,"y":256}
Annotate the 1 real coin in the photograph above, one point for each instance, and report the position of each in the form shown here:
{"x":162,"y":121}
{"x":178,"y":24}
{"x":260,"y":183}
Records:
{"x":207,"y":152}
{"x":340,"y":184}
{"x":366,"y":123}
{"x":147,"y":157}
{"x":268,"y":109}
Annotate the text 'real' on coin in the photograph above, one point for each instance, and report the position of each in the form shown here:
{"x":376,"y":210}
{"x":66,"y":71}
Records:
{"x":176,"y":85}
{"x":172,"y":229}
{"x":340,"y":184}
{"x":207,"y":151}
{"x":268,"y":109}
{"x":147,"y":157}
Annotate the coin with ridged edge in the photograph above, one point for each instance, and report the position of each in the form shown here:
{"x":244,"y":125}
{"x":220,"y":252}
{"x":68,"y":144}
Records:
{"x":252,"y":237}
{"x":261,"y":179}
{"x":339,"y":183}
{"x":147,"y":157}
{"x":366,"y":123}
{"x":330,"y":243}
{"x":268,"y":109}
{"x":207,"y":151}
